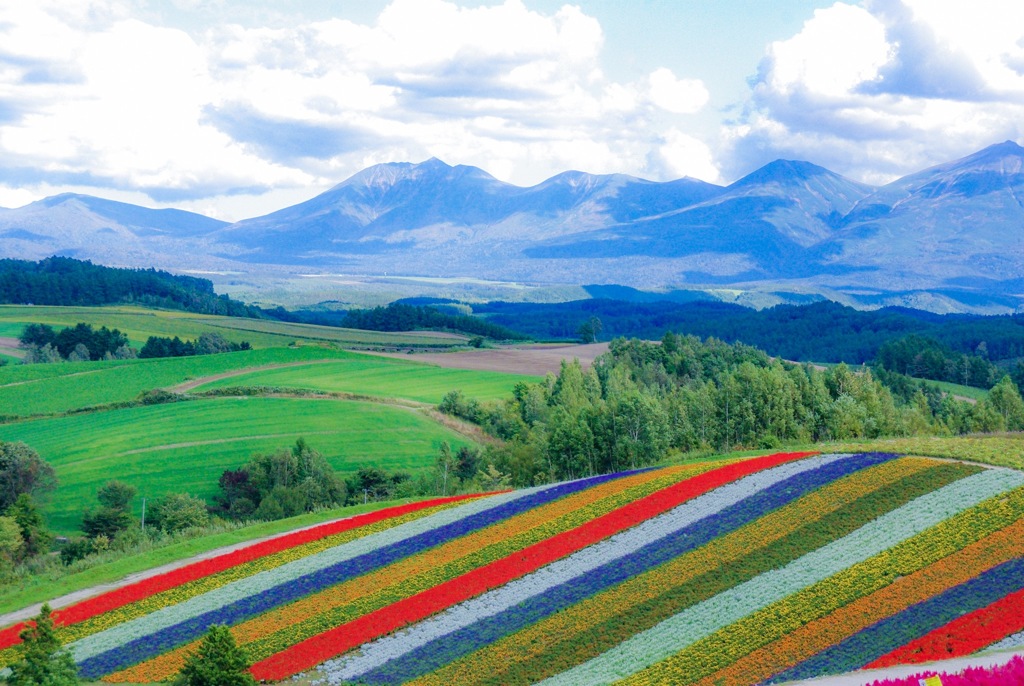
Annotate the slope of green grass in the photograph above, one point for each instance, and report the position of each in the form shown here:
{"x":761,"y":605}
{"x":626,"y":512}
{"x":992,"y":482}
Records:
{"x":27,"y":390}
{"x":184,"y":447}
{"x":141,"y":323}
{"x":960,"y":390}
{"x":49,"y":388}
{"x":381,"y":377}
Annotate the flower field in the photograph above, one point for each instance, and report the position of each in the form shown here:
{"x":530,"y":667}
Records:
{"x":750,"y":571}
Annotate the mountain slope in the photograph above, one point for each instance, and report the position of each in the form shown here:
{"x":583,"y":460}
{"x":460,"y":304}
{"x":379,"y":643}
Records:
{"x":90,"y":227}
{"x":955,"y":223}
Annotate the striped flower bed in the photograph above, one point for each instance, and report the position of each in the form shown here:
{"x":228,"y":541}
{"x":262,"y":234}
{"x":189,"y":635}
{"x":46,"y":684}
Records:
{"x":761,"y":570}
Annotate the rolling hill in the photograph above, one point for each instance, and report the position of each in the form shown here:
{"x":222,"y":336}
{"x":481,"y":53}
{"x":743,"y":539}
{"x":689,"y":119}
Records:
{"x":740,"y":571}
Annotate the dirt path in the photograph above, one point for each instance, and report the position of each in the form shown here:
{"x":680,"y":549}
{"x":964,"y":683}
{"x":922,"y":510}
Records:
{"x":536,"y":360}
{"x":203,"y":380}
{"x":11,"y":346}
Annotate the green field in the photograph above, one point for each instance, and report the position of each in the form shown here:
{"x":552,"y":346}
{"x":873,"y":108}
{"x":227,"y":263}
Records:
{"x":381,"y":377}
{"x":141,"y":323}
{"x":184,"y":447}
{"x":27,"y":390}
{"x":959,"y":390}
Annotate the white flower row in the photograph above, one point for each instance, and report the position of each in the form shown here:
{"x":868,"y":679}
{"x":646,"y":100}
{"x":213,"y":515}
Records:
{"x":120,"y":634}
{"x":1014,"y":641}
{"x":684,"y":629}
{"x":377,"y":653}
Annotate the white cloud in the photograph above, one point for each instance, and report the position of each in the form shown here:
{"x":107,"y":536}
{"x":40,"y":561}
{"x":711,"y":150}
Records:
{"x":683,"y":155}
{"x":887,"y":87}
{"x":682,"y":96}
{"x":91,"y":95}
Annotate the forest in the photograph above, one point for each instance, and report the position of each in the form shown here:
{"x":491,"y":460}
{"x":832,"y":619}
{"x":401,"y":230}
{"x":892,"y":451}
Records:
{"x":818,"y":332}
{"x":67,"y":281}
{"x":642,"y":400}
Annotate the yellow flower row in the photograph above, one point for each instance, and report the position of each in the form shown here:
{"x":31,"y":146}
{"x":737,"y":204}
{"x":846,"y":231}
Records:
{"x":797,"y":627}
{"x":285,"y":626}
{"x":489,"y":662}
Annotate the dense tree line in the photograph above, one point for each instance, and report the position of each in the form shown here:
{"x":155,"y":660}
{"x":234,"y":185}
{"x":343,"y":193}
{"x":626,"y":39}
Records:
{"x":67,"y":281}
{"x":402,"y":317}
{"x":926,"y":358}
{"x":642,"y":400}
{"x":206,"y":344}
{"x":818,"y":332}
{"x":77,"y":343}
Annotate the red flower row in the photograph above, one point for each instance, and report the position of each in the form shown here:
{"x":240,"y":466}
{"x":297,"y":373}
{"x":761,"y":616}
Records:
{"x":962,"y":636}
{"x":321,"y":647}
{"x":143,"y":589}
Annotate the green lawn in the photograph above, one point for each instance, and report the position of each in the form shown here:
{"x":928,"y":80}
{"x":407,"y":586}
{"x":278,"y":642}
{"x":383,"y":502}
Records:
{"x":141,"y":323}
{"x":186,"y":446}
{"x":382,"y":377}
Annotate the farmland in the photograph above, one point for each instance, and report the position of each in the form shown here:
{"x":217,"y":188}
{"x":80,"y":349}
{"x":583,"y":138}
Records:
{"x":140,"y":323}
{"x":185,"y":446}
{"x":85,"y":418}
{"x":770,"y":568}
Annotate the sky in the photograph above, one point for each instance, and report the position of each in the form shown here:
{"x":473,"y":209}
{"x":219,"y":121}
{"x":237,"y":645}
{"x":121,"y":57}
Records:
{"x":236,"y":108}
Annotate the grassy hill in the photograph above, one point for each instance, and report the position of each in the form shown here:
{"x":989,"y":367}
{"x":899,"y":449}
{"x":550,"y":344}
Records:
{"x":184,"y":447}
{"x":87,"y":420}
{"x":734,"y":571}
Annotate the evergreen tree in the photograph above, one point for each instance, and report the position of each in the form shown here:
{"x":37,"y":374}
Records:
{"x":42,"y":662}
{"x":218,"y":662}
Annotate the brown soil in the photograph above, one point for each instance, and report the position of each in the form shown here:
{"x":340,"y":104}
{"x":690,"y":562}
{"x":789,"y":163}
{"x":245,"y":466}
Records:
{"x":536,"y":360}
{"x":10,"y":346}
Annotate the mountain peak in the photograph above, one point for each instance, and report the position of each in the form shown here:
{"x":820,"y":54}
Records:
{"x":783,"y":172}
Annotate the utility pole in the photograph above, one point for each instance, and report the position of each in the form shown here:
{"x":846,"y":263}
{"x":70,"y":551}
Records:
{"x":143,"y":514}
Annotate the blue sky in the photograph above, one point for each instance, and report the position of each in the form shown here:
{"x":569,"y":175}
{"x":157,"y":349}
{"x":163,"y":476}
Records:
{"x":235,"y":109}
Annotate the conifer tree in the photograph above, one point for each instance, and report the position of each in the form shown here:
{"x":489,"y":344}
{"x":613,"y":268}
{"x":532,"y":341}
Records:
{"x":43,"y":662}
{"x":218,"y":662}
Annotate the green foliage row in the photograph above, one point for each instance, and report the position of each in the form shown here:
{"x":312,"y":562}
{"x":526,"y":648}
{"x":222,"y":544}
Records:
{"x":403,"y":317}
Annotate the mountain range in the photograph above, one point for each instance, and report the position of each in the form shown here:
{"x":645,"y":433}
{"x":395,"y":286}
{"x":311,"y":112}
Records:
{"x":947,"y":238}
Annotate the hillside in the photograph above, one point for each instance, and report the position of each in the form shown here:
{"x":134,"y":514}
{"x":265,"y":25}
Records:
{"x":945,"y":239}
{"x":738,"y":571}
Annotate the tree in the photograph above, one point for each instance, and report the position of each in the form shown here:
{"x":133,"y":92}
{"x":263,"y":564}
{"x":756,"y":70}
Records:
{"x":11,"y":542}
{"x":23,"y":471}
{"x":113,"y":517}
{"x":42,"y":662}
{"x":33,"y":529}
{"x":116,"y":494}
{"x":1007,"y":401}
{"x":590,"y":330}
{"x":180,"y":511}
{"x":218,"y":661}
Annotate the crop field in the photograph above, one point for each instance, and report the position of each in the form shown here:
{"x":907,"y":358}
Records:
{"x":141,"y":323}
{"x":184,"y":447}
{"x":744,"y":571}
{"x":27,"y":390}
{"x":381,"y":377}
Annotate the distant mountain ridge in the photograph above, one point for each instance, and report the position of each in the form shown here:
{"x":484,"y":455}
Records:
{"x":947,"y":237}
